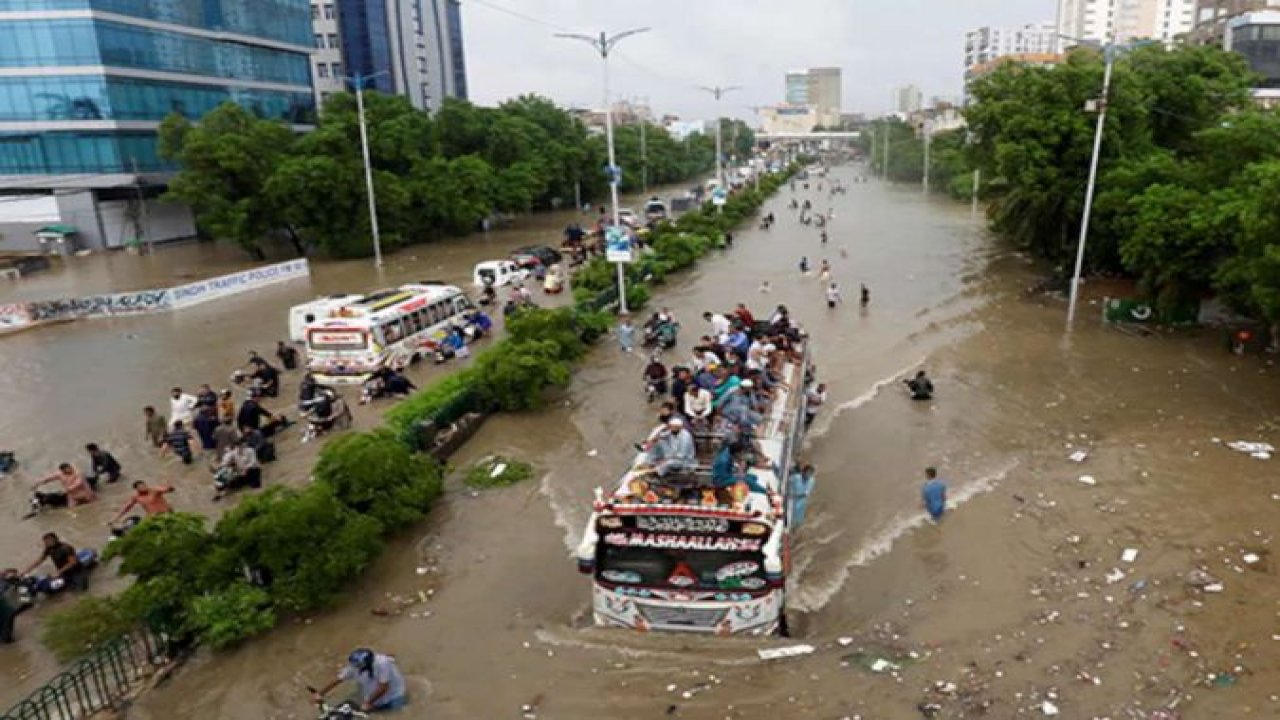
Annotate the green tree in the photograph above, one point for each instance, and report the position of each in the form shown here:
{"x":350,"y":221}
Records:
{"x":226,"y":162}
{"x":375,"y":474}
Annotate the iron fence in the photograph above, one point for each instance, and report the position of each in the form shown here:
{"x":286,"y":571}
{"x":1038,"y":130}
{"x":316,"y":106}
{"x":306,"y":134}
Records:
{"x":98,"y":681}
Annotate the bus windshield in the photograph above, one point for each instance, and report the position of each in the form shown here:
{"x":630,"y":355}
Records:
{"x":330,"y":340}
{"x":681,"y":569}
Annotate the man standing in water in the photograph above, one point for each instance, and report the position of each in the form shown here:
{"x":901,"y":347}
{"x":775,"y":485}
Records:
{"x":934,"y":494}
{"x":866,"y":295}
{"x":626,"y":333}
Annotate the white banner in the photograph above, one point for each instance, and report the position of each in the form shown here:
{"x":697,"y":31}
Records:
{"x":224,"y":285}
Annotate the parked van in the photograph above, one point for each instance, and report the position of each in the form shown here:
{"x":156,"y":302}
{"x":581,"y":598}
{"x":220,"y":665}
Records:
{"x":498,"y":273}
{"x":300,"y":316}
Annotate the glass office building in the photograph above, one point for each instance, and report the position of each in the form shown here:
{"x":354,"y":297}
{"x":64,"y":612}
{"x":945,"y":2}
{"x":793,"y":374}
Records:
{"x":85,"y":83}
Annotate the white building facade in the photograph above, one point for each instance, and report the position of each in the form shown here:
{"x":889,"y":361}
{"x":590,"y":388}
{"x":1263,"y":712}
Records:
{"x":985,"y":44}
{"x":1124,"y":20}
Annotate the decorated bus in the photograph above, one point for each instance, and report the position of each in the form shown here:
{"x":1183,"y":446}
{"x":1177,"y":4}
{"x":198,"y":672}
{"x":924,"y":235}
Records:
{"x":696,"y":551}
{"x":388,"y":328}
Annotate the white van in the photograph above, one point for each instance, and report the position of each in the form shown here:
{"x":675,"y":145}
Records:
{"x":498,"y":273}
{"x":300,"y":316}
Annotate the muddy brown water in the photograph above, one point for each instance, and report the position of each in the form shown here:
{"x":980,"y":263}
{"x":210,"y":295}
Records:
{"x":1003,"y":607}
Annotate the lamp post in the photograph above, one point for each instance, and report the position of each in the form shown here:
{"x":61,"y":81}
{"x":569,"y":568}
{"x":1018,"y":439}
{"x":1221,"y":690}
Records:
{"x":1109,"y":53}
{"x":357,"y":81}
{"x":604,"y":44}
{"x":719,"y":92}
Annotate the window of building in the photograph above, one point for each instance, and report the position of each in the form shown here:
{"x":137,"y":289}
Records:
{"x":328,"y":11}
{"x":333,"y":41}
{"x":315,"y":12}
{"x":322,"y":70}
{"x":319,"y":40}
{"x":337,"y":70}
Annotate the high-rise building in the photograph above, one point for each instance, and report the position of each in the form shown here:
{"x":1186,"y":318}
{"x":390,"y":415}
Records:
{"x":1212,"y":17}
{"x":825,"y":95}
{"x":797,"y":88}
{"x":985,"y":44}
{"x":405,"y":47}
{"x":1124,"y":20}
{"x":84,"y":85}
{"x":818,"y":88}
{"x":908,"y":100}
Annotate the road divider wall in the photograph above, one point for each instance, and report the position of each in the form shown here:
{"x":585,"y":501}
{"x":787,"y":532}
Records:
{"x":19,"y":316}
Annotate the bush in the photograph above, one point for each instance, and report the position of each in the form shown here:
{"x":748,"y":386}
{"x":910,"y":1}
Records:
{"x":375,"y":474}
{"x":426,"y":403}
{"x":681,"y":250}
{"x":88,"y":623}
{"x":233,"y":614}
{"x":513,"y":375}
{"x":558,"y":326}
{"x":482,"y":475}
{"x":305,"y":544}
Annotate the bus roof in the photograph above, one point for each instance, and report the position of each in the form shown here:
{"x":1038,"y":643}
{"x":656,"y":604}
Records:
{"x":776,"y":434}
{"x":382,"y":300}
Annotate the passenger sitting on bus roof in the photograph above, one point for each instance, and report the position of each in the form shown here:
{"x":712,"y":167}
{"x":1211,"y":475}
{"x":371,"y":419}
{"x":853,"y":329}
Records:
{"x":666,"y":413}
{"x":744,"y":316}
{"x":725,"y":384}
{"x":738,"y":342}
{"x":704,"y":354}
{"x":480,"y":321}
{"x":675,"y":450}
{"x":681,"y":381}
{"x":697,"y":404}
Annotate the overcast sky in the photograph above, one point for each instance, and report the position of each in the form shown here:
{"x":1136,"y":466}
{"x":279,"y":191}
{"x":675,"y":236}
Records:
{"x":879,"y":44}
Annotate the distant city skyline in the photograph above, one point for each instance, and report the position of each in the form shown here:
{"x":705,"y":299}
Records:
{"x":879,"y":45}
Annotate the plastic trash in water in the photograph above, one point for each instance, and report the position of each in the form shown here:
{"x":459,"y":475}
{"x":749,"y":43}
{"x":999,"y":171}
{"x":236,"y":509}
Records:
{"x":881,"y":665}
{"x":1259,"y":450}
{"x":1048,"y":708}
{"x":1078,"y":456}
{"x":784,"y":652}
{"x":498,"y":470}
{"x":1250,"y":558}
{"x":1088,"y":480}
{"x":1129,"y":555}
{"x":1115,"y":576}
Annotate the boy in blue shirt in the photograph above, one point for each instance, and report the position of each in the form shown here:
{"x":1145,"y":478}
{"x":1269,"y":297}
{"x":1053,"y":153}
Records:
{"x":934,"y":494}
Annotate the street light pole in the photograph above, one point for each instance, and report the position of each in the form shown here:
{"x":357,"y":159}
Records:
{"x":603,"y":44}
{"x":927,"y":138}
{"x":1110,"y":50}
{"x":719,"y":91}
{"x":358,"y":80}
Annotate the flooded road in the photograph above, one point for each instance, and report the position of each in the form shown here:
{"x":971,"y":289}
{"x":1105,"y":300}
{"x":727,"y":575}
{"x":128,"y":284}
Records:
{"x":1011,"y":607}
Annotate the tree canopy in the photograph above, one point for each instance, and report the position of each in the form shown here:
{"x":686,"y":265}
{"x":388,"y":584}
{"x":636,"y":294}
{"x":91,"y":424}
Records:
{"x":1188,"y":175}
{"x":248,"y":179}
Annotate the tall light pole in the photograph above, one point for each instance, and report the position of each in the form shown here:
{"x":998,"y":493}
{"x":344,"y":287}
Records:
{"x":719,"y":92}
{"x":604,"y":44}
{"x":927,"y":138}
{"x":1109,"y":52}
{"x":357,"y":81}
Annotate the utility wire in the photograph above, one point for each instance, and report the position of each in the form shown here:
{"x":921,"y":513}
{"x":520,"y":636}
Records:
{"x":522,"y":16}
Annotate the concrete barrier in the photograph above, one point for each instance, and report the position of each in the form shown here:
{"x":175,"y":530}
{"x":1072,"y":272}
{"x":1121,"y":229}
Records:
{"x":19,"y":316}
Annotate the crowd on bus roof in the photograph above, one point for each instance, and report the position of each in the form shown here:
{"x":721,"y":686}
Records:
{"x":706,"y":443}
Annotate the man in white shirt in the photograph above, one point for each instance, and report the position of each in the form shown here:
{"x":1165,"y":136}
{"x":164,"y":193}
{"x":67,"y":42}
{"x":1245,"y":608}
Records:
{"x":697,"y":404}
{"x":182,"y":407}
{"x":719,"y":324}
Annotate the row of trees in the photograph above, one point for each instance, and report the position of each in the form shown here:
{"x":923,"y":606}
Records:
{"x":249,"y":179}
{"x":1188,"y":177}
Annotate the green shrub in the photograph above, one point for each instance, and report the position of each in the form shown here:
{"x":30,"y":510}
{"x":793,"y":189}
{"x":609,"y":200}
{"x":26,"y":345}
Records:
{"x":72,"y":631}
{"x":482,"y":473}
{"x":596,"y":274}
{"x":377,"y":475}
{"x":306,"y":542}
{"x":558,"y":326}
{"x":681,"y":250}
{"x":427,"y":402}
{"x":637,"y":296}
{"x":513,"y":376}
{"x":231,"y":615}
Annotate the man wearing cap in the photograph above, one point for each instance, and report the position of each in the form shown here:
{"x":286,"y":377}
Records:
{"x":381,"y":685}
{"x":675,"y":450}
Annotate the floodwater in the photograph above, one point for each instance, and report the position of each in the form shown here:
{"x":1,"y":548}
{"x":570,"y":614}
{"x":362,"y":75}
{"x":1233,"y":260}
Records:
{"x":1017,"y":604}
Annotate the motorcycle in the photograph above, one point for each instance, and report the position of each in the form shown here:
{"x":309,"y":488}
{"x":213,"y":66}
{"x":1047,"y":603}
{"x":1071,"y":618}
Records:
{"x":661,"y":334}
{"x":317,"y":426}
{"x":346,"y":710}
{"x":656,"y":388}
{"x":31,"y":587}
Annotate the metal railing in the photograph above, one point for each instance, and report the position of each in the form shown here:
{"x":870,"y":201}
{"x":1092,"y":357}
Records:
{"x":100,"y":680}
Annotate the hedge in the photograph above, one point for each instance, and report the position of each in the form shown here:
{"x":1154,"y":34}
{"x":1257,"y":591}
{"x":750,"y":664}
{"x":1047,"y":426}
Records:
{"x":287,"y":551}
